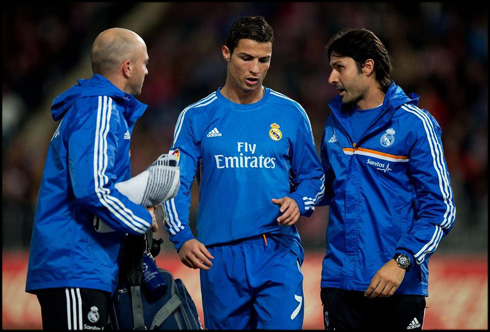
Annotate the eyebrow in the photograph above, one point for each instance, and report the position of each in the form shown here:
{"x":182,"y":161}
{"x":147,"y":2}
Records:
{"x":252,"y":56}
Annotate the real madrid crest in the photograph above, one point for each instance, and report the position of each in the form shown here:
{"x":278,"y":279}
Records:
{"x":275,"y":133}
{"x":93,"y":315}
{"x":388,"y":138}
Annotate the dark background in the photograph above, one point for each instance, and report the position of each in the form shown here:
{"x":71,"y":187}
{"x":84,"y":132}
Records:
{"x":439,"y":50}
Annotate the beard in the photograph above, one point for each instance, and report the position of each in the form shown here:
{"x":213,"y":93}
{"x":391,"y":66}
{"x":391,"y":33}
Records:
{"x":351,"y":103}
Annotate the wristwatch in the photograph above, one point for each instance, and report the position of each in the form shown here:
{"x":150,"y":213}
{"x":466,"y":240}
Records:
{"x":403,"y":261}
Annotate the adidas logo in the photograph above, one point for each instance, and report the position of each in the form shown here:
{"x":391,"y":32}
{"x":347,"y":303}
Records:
{"x":333,"y":139}
{"x":413,"y":324}
{"x":127,"y":135}
{"x":214,"y":133}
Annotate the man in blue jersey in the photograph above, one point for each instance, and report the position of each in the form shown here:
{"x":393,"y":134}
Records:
{"x":389,"y":192}
{"x":253,"y":153}
{"x":81,"y":217}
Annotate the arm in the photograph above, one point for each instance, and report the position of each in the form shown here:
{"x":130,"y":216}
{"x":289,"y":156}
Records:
{"x":306,"y":177}
{"x":178,"y":208}
{"x":327,"y":168}
{"x":191,"y":252}
{"x":306,"y":171}
{"x":435,"y":208}
{"x":92,"y":151}
{"x":434,"y":204}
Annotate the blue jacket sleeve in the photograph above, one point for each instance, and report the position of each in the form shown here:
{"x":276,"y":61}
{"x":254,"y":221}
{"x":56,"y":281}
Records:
{"x":327,"y":168}
{"x":177,"y":208}
{"x":92,"y":151}
{"x":434,"y":203}
{"x":306,"y":171}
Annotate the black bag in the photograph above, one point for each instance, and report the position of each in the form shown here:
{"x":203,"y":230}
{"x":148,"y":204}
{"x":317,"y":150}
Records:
{"x":135,"y":308}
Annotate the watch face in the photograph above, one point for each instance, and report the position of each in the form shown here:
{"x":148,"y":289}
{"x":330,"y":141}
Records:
{"x":403,"y":261}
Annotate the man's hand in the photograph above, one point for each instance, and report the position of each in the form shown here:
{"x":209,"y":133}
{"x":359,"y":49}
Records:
{"x":289,"y":211}
{"x":154,"y":226}
{"x":195,"y":255}
{"x":386,"y":281}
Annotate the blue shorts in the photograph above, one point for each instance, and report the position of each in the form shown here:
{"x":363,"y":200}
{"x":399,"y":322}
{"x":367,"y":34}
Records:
{"x":255,"y":283}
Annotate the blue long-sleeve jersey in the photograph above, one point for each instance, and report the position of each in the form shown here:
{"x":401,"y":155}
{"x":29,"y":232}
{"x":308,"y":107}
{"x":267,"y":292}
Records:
{"x":244,"y":156}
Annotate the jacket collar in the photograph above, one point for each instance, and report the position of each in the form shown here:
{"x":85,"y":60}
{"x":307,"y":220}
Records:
{"x":394,"y":98}
{"x":97,"y":85}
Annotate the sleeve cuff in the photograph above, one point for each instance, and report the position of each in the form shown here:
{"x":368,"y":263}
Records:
{"x":401,"y":251}
{"x":301,"y":205}
{"x":181,"y":237}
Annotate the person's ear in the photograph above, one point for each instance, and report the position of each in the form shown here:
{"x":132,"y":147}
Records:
{"x":225,"y":51}
{"x":368,"y":67}
{"x":127,"y":68}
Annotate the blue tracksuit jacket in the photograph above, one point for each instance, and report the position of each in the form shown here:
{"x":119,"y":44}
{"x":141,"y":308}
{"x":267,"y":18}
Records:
{"x":390,"y":192}
{"x":88,"y":154}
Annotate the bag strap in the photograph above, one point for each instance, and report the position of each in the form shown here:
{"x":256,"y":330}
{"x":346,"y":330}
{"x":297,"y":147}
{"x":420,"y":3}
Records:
{"x":137,"y":308}
{"x":183,"y":295}
{"x":173,"y":303}
{"x":132,"y":274}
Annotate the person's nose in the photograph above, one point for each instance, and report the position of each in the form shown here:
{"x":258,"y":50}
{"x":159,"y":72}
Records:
{"x":333,"y":78}
{"x":255,"y":67}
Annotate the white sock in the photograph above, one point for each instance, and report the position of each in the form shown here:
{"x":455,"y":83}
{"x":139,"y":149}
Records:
{"x":158,"y":183}
{"x":135,"y":187}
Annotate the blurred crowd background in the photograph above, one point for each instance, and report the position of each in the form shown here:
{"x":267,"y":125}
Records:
{"x":439,"y":50}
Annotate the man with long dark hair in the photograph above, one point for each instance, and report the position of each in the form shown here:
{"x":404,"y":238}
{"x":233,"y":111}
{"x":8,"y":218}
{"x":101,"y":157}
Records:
{"x":388,"y":189}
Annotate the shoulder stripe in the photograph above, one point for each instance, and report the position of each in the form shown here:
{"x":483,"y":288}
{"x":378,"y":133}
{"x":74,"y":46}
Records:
{"x":303,"y":112}
{"x":124,"y":214}
{"x":174,"y":224}
{"x":438,"y":162}
{"x":444,"y":186}
{"x":203,"y":102}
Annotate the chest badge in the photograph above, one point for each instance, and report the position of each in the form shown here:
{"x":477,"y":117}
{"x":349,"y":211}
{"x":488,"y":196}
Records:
{"x":275,"y":133}
{"x":388,"y":138}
